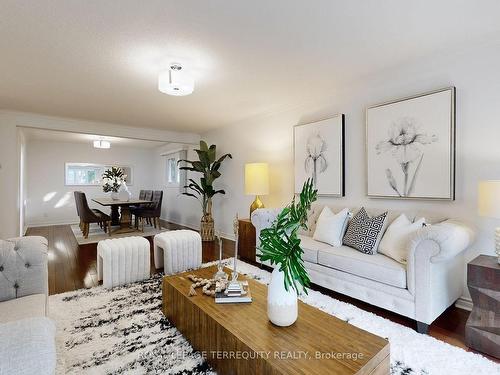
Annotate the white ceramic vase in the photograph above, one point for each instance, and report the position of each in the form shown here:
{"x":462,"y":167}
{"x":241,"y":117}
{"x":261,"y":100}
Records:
{"x":282,"y":307}
{"x":114,"y":196}
{"x":124,"y":194}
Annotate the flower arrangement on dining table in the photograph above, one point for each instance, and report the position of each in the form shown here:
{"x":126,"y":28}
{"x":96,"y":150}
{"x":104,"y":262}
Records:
{"x":112,"y":179}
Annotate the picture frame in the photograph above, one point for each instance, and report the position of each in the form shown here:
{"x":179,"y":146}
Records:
{"x":319,"y":153}
{"x":410,"y":147}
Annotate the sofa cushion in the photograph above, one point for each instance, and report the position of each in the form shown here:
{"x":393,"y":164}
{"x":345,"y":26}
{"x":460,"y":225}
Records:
{"x":364,"y":232}
{"x":311,"y":248}
{"x":331,"y":227}
{"x":24,"y":307}
{"x":375,"y":267}
{"x":28,"y":347}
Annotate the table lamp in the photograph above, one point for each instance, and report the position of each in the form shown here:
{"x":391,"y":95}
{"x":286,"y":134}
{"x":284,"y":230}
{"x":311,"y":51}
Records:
{"x":256,"y":183}
{"x":489,"y":206}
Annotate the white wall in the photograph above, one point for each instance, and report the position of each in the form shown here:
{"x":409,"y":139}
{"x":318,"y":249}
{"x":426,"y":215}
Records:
{"x":10,"y":154}
{"x":269,"y":138}
{"x":176,"y":208}
{"x":50,"y":201}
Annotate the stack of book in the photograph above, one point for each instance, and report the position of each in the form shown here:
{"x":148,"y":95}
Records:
{"x":236,"y":292}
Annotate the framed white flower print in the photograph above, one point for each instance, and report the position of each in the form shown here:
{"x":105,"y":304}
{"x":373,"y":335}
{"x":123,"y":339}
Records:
{"x":319,"y":154}
{"x":410,"y":146}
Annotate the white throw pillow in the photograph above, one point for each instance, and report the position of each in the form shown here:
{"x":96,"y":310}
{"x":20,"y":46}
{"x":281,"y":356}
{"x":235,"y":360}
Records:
{"x":330,"y":227}
{"x":395,"y":240}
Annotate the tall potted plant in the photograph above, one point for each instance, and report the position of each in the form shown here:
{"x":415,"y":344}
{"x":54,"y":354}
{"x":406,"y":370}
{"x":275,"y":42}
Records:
{"x":208,"y":165}
{"x":280,"y":245}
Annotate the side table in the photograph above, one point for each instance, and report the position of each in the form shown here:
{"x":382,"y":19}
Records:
{"x":482,"y":331}
{"x":246,"y":240}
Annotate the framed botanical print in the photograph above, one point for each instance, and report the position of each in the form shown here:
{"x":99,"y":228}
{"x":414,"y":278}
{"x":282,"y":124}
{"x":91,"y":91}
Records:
{"x":319,"y":154}
{"x":410,"y":147}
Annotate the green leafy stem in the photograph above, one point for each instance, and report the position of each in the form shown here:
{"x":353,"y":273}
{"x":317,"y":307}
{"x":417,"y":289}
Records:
{"x":280,"y":244}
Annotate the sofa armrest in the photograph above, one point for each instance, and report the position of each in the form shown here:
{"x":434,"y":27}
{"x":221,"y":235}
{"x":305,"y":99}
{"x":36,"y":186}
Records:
{"x":449,"y":239}
{"x":263,"y":218}
{"x":435,"y":267}
{"x":23,"y":267}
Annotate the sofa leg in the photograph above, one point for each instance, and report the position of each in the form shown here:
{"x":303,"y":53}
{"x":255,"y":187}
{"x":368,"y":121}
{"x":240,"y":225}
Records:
{"x":422,"y":328}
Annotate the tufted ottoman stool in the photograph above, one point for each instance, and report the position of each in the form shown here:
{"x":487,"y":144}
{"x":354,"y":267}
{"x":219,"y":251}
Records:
{"x":177,"y":251}
{"x":123,"y":260}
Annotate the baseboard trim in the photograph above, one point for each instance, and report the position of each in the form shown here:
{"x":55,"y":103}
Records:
{"x":50,"y":223}
{"x":464,"y":303}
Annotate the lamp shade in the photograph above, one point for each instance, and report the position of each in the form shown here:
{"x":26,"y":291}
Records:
{"x":256,"y":179}
{"x":489,"y":198}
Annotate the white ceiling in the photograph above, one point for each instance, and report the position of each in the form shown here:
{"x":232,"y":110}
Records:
{"x":99,"y":60}
{"x":60,"y":136}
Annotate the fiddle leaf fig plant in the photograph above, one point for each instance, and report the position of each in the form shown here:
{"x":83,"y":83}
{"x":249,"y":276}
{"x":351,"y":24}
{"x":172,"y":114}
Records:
{"x":280,"y":244}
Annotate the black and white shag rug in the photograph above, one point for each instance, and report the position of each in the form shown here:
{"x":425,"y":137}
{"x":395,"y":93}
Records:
{"x":123,"y":331}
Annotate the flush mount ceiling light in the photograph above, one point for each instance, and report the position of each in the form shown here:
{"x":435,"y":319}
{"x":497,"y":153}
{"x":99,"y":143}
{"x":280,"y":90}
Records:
{"x":175,"y":81}
{"x":100,"y":143}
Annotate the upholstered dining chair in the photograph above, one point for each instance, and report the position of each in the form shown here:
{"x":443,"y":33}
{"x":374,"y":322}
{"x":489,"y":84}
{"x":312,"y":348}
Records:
{"x":152,"y":211}
{"x":146,"y":195}
{"x":88,"y":216}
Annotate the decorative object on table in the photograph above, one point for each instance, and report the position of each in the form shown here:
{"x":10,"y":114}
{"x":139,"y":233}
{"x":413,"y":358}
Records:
{"x":124,"y":193}
{"x":280,"y":245}
{"x":234,"y":287}
{"x":220,"y":274}
{"x":482,"y":330}
{"x":411,"y":147}
{"x":319,"y":154}
{"x":489,"y":206}
{"x":206,"y":284}
{"x":203,"y":190}
{"x":228,"y":296}
{"x":246,"y":240}
{"x":177,"y":250}
{"x":112,"y":180}
{"x":256,"y":183}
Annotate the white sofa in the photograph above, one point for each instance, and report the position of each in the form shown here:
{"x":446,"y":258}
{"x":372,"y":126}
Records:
{"x":422,"y":289}
{"x":27,"y":344}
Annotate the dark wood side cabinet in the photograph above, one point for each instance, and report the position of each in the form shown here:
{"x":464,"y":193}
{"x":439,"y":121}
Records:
{"x":246,"y":240}
{"x":482,"y":331}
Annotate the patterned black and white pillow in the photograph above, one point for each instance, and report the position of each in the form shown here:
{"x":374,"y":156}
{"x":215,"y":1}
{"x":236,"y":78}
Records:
{"x":364,"y":232}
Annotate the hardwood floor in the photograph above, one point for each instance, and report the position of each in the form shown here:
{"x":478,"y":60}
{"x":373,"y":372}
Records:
{"x":73,"y":267}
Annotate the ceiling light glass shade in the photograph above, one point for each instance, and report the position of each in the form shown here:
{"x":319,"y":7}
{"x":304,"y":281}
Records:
{"x":175,"y":81}
{"x":102,"y":144}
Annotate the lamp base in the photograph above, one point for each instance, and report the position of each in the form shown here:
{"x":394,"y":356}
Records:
{"x":257,"y":203}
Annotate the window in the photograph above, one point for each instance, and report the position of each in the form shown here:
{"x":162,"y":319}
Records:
{"x":90,"y":174}
{"x":175,"y":178}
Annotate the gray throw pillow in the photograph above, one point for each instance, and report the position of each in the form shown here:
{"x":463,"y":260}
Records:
{"x":364,"y":232}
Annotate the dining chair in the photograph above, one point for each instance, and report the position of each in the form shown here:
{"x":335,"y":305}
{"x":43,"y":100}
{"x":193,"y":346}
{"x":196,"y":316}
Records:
{"x":152,"y":211}
{"x":88,"y":215}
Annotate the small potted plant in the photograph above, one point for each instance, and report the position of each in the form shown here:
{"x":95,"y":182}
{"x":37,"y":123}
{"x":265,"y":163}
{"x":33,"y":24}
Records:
{"x":280,"y":245}
{"x":112,"y":179}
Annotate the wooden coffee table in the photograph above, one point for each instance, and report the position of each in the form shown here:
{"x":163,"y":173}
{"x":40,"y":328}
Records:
{"x":239,"y":339}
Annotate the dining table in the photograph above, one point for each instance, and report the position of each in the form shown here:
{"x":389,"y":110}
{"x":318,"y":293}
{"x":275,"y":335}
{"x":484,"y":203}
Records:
{"x":120,"y":211}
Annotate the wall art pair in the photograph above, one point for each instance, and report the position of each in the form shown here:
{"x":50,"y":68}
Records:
{"x":410,"y":149}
